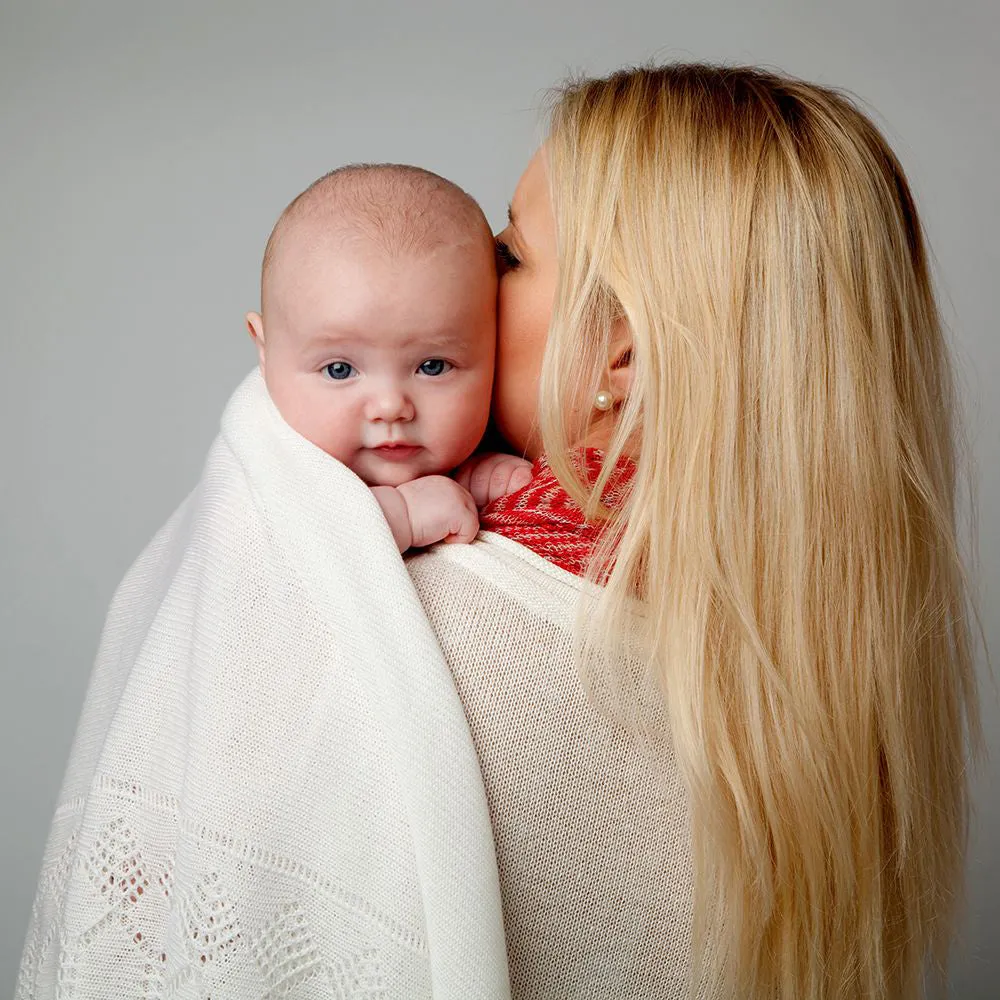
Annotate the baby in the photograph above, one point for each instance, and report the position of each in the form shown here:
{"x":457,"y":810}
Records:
{"x":377,"y":336}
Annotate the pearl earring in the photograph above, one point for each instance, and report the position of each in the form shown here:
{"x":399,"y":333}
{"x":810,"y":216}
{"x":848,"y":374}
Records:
{"x":603,"y":400}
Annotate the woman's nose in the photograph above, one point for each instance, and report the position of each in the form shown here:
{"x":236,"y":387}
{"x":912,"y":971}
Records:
{"x":390,"y":404}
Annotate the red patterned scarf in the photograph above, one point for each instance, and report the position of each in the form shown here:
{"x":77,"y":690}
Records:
{"x":543,"y":518}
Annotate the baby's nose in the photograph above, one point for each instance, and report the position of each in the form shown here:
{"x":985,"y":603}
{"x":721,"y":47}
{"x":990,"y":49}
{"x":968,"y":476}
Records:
{"x":390,"y":404}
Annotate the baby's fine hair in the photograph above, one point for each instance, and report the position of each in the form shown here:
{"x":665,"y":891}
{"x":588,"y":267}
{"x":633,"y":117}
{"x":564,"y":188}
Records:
{"x":398,"y":208}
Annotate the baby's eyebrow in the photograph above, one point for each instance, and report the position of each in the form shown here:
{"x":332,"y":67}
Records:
{"x":325,"y":340}
{"x":442,"y":342}
{"x":510,"y":214}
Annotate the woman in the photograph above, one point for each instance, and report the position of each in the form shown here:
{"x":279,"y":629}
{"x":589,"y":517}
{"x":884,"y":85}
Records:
{"x":716,"y":322}
{"x":719,"y":276}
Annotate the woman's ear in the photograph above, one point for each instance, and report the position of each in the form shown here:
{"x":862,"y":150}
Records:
{"x":620,"y":361}
{"x":255,"y":327}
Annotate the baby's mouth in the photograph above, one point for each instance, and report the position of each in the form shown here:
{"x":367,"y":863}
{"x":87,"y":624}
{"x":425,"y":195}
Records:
{"x":395,"y":451}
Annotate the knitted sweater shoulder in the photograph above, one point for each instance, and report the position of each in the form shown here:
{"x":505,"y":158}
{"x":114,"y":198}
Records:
{"x":590,"y":821}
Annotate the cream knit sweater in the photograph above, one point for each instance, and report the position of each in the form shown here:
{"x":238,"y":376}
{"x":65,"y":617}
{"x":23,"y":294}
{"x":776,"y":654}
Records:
{"x":590,"y":822}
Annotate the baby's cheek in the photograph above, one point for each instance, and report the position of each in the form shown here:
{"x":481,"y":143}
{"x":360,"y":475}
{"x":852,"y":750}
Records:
{"x":327,"y":432}
{"x":468,"y":419}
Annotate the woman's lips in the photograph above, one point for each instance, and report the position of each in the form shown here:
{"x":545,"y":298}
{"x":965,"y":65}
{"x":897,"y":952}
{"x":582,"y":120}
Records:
{"x":396,"y":452}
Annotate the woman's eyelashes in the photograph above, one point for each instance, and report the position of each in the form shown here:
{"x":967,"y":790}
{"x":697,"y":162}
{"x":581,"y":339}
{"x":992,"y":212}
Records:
{"x":508,"y":261}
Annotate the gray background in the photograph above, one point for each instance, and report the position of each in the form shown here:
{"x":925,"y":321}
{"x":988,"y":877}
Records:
{"x":145,"y":150}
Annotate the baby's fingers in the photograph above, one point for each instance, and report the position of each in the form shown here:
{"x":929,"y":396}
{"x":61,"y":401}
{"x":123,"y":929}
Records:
{"x":508,"y":475}
{"x":481,"y":479}
{"x":464,"y":529}
{"x":463,"y":474}
{"x":519,"y":478}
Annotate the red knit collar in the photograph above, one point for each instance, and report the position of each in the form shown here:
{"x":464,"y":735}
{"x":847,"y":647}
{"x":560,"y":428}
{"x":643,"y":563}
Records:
{"x":543,"y":518}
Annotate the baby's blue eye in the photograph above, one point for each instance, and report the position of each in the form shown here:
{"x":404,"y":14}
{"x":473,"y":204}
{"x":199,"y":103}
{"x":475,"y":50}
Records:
{"x":435,"y":366}
{"x":339,"y":370}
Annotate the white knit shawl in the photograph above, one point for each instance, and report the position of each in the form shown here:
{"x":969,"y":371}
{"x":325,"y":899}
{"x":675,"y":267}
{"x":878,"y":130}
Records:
{"x":273,"y":791}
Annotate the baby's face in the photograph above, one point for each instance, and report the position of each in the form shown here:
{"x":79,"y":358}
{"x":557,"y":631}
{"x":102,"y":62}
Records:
{"x":386,"y":364}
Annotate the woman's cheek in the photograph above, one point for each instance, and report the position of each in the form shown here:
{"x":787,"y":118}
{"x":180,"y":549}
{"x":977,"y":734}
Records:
{"x":524,"y":310}
{"x":515,"y":402}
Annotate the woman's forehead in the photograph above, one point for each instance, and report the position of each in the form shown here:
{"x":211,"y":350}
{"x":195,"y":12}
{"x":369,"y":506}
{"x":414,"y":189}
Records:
{"x":532,"y":185}
{"x":530,"y":208}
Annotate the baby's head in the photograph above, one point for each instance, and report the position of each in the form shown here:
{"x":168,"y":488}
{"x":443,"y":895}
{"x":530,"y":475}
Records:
{"x":377,"y":329}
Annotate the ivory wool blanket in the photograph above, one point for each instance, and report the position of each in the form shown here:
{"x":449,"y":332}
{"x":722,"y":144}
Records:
{"x":272,"y":791}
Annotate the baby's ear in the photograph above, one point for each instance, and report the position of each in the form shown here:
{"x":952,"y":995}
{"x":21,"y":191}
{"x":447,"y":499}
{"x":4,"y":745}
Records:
{"x":255,"y":327}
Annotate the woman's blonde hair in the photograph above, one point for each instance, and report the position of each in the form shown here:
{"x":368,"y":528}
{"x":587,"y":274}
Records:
{"x":791,"y":530}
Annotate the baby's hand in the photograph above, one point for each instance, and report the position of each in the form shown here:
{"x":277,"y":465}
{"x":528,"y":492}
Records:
{"x":428,"y":510}
{"x":493,"y":475}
